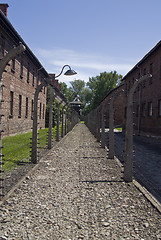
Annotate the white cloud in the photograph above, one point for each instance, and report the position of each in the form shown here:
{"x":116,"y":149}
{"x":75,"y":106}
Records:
{"x":86,"y":65}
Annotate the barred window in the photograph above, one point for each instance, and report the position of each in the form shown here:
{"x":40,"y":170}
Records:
{"x":28,"y":73}
{"x":11,"y":104}
{"x":21,"y":69}
{"x":32,"y":109}
{"x":20,"y":106}
{"x":150,"y":109}
{"x":40,"y":112}
{"x":26,"y":115}
{"x":43,"y":111}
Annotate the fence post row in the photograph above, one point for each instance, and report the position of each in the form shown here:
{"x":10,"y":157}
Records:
{"x":3,"y":63}
{"x":62,"y":123}
{"x":111,"y":125}
{"x":35,"y":123}
{"x":58,"y":122}
{"x":52,"y":97}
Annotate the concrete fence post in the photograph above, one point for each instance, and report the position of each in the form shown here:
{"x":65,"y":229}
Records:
{"x":128,"y":157}
{"x":58,"y":122}
{"x":52,"y":96}
{"x":62,"y":123}
{"x":35,"y":124}
{"x":111,"y":125}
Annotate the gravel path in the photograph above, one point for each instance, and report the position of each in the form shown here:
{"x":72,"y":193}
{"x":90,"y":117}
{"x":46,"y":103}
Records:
{"x":77,"y":193}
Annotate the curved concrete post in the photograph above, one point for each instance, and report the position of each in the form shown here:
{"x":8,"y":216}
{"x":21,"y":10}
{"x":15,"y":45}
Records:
{"x":3,"y":62}
{"x":66,"y":117}
{"x":58,"y":121}
{"x":34,"y":130}
{"x":9,"y":56}
{"x":52,"y":96}
{"x":111,"y":125}
{"x":62,"y":123}
{"x":128,"y":157}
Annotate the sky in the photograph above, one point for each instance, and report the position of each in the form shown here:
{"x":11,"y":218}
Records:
{"x":92,"y":36}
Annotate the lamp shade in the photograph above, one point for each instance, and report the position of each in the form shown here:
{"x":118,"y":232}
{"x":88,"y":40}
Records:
{"x":70,"y":72}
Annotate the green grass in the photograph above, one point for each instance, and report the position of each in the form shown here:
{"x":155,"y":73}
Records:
{"x":17,"y":148}
{"x":119,"y":129}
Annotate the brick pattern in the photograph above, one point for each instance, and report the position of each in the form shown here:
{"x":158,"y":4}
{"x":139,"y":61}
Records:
{"x":21,"y":78}
{"x":118,"y":107}
{"x":148,"y":93}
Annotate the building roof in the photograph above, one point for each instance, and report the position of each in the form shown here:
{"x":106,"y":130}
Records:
{"x":156,"y":47}
{"x":4,"y":20}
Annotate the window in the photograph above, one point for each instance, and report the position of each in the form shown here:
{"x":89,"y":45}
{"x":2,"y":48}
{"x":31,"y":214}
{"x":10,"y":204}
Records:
{"x":26,"y":115}
{"x":151,"y":72}
{"x":150,"y":109}
{"x":20,"y":106}
{"x":28,"y":73}
{"x":21,"y":69}
{"x":43,"y":111}
{"x":40,"y":112}
{"x":159,"y":107}
{"x":44,"y":90}
{"x":13,"y":65}
{"x":32,"y":109}
{"x":11,"y":105}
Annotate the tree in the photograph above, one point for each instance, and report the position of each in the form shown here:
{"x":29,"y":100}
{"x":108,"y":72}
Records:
{"x":77,"y":86}
{"x":67,"y":92}
{"x":101,"y":85}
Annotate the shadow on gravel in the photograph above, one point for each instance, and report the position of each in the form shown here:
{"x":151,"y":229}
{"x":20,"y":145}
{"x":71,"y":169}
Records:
{"x":101,"y":181}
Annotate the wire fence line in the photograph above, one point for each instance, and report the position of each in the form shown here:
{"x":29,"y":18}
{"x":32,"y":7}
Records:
{"x":146,"y":165}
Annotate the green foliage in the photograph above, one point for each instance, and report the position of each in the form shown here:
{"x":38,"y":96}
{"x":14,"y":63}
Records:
{"x":77,"y":86}
{"x":92,"y":92}
{"x":101,"y":85}
{"x":67,"y":92}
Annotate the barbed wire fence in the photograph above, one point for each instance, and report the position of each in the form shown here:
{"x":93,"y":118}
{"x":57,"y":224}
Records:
{"x":16,"y":151}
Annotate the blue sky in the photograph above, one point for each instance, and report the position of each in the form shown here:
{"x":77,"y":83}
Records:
{"x":92,"y":36}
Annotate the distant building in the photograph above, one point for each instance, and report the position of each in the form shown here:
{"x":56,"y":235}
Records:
{"x":76,"y":105}
{"x":20,"y":80}
{"x":147,"y":97}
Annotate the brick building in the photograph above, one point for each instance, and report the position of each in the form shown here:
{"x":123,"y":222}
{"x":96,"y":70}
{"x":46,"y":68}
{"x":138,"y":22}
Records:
{"x":20,"y":79}
{"x":147,"y":97}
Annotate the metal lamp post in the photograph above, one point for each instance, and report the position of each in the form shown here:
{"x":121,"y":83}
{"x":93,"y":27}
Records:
{"x":69,"y":72}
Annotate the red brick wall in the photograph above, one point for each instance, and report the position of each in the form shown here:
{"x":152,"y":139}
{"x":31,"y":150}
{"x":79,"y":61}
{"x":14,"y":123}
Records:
{"x":20,"y":86}
{"x":150,"y":92}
